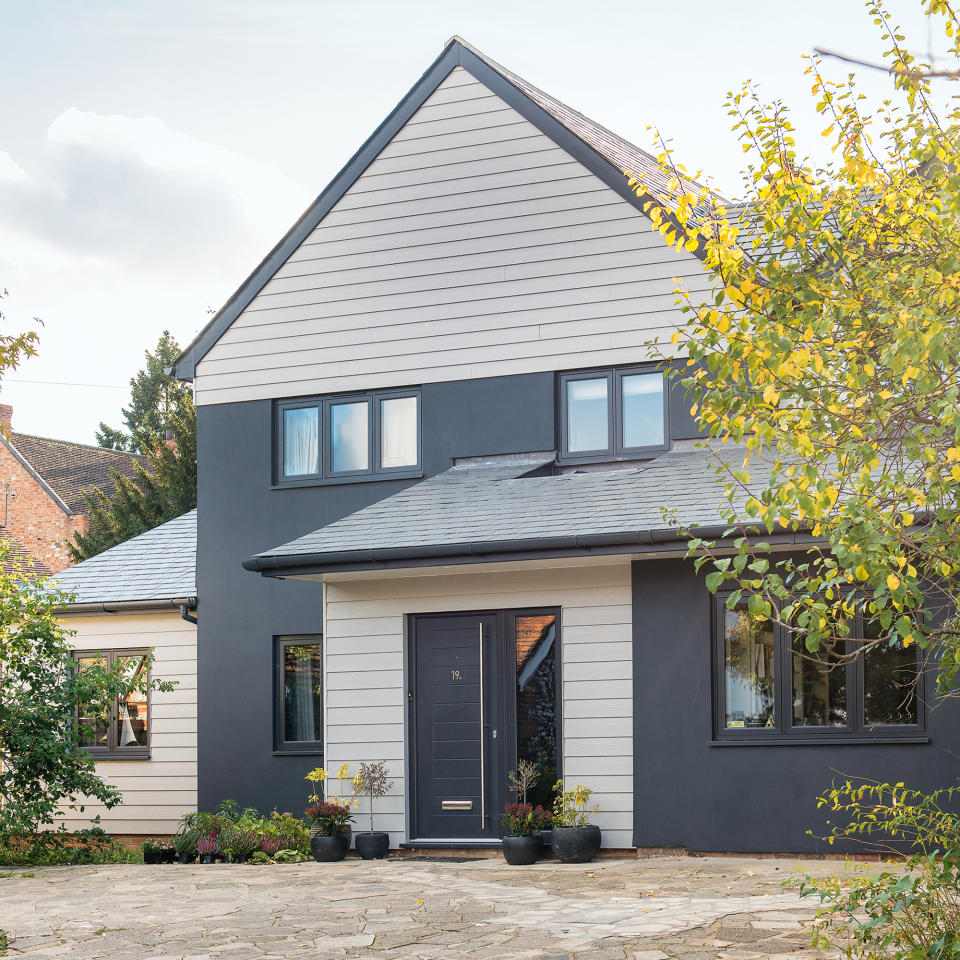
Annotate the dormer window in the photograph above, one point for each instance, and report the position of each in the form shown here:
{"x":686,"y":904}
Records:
{"x":331,"y":439}
{"x":617,"y":414}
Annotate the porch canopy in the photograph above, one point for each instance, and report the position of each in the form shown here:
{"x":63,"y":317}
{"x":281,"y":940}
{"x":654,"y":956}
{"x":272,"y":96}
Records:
{"x":519,"y":507}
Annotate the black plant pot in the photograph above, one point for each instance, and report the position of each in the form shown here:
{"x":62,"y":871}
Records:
{"x":372,"y":846}
{"x":186,"y":857}
{"x":151,"y":856}
{"x":329,"y":849}
{"x":576,"y":844}
{"x":168,"y":856}
{"x":522,"y":851}
{"x":207,"y":858}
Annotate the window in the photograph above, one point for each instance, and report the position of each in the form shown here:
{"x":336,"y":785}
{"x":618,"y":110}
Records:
{"x":612,"y":414}
{"x":340,"y":438}
{"x":769,"y":688}
{"x":299,"y":695}
{"x":123,"y":731}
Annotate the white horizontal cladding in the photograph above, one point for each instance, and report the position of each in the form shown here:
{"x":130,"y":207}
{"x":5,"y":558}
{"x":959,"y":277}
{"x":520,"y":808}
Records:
{"x":365,"y":675}
{"x":157,"y":791}
{"x":473,"y":246}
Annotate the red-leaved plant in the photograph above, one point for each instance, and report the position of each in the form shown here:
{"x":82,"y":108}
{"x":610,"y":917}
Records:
{"x":525,"y":819}
{"x":330,"y":817}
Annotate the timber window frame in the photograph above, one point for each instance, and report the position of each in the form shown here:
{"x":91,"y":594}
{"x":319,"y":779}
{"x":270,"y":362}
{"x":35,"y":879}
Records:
{"x":326,"y":472}
{"x":616,"y":448}
{"x":281,"y":745}
{"x":783,"y":730}
{"x":113,"y":750}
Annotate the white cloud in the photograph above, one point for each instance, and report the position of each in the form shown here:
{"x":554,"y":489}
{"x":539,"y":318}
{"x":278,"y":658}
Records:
{"x":10,"y":169}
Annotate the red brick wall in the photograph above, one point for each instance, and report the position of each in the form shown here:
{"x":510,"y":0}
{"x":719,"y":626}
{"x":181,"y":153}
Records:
{"x":33,"y":517}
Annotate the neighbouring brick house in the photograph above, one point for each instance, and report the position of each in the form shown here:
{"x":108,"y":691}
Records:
{"x":42,"y":487}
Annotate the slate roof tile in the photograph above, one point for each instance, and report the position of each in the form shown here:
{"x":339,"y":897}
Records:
{"x":160,"y":564}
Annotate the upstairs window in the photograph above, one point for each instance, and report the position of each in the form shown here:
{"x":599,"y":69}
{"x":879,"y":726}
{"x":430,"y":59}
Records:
{"x":768,"y":687}
{"x":357,"y":437}
{"x":619,"y":414}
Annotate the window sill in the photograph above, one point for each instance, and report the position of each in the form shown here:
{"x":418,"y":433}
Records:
{"x":345,"y":479}
{"x":306,"y":752}
{"x":125,"y":757}
{"x":820,"y":741}
{"x":646,"y":453}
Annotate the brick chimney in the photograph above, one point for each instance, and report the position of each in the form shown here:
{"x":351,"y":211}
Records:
{"x":6,"y":416}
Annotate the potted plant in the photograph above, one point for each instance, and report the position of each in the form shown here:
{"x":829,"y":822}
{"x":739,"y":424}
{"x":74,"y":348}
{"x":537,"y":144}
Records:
{"x":574,"y":838}
{"x":331,"y":841}
{"x":523,"y":823}
{"x":320,"y":776}
{"x":241,"y":845}
{"x":151,"y":851}
{"x":208,"y":848}
{"x":185,"y":844}
{"x":372,"y":780}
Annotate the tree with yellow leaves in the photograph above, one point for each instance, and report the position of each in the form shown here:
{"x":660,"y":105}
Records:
{"x":831,"y":352}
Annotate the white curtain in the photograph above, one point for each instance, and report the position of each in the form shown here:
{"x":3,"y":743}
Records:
{"x":301,"y":441}
{"x":398,"y":432}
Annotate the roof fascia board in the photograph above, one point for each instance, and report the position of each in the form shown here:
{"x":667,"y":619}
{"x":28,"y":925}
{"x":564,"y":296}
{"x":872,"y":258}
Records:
{"x":186,"y":364}
{"x":640,"y":542}
{"x":36,"y":476}
{"x":454,"y":54}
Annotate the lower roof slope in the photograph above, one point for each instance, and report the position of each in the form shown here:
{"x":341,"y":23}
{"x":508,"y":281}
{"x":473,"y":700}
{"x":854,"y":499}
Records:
{"x":19,"y":559}
{"x":509,"y":505}
{"x":160,"y":564}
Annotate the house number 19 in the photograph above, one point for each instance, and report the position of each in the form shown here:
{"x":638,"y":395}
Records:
{"x":455,"y":675}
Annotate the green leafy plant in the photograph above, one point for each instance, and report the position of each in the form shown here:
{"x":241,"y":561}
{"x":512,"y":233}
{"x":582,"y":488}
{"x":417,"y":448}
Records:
{"x":241,"y":844}
{"x":44,"y":768}
{"x":290,"y":856}
{"x":291,"y":832}
{"x":63,"y":848}
{"x":4,"y":943}
{"x":910,"y":910}
{"x":185,"y":841}
{"x":570,"y":807}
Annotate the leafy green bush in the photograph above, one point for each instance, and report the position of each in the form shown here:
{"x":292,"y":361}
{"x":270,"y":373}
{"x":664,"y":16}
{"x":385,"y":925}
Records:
{"x":61,"y":847}
{"x":911,"y":910}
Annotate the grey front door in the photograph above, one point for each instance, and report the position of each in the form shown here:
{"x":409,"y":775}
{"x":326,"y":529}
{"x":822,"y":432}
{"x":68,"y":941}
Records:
{"x":457,"y":670}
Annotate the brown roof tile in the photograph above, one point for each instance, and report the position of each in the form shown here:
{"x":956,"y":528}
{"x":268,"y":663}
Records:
{"x":20,"y":557}
{"x":72,"y":469}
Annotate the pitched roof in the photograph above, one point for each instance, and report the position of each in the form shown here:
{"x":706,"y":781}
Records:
{"x":160,"y":564}
{"x":475,"y":510}
{"x":72,"y":469}
{"x":602,"y":152}
{"x":19,"y":557}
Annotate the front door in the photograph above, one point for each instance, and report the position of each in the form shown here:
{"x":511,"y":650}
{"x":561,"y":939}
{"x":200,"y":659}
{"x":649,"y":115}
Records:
{"x":484,"y":693}
{"x":457,"y":709}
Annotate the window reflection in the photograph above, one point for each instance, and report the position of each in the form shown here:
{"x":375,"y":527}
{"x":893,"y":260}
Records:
{"x":536,"y":692}
{"x":302,"y":693}
{"x":587,"y":419}
{"x":349,"y":436}
{"x":819,"y":689}
{"x":94,"y":728}
{"x":748,"y":653}
{"x":642,"y":399}
{"x":132,"y":723}
{"x":889,"y":681}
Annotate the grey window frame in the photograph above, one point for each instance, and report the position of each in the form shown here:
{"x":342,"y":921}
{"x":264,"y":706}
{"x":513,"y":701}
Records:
{"x":113,"y":751}
{"x":282,"y":746}
{"x":326,"y":474}
{"x":615,"y":449}
{"x":784,"y":732}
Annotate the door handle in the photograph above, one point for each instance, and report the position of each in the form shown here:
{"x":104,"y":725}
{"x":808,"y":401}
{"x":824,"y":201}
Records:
{"x":483,"y":778}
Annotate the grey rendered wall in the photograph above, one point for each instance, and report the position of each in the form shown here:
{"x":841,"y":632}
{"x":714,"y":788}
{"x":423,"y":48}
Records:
{"x":736,"y":798}
{"x":239,"y":514}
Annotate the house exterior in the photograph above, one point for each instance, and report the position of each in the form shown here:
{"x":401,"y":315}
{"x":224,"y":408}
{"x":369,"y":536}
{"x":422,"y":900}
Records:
{"x":136,"y":599}
{"x":434,"y":445}
{"x":42,"y":488}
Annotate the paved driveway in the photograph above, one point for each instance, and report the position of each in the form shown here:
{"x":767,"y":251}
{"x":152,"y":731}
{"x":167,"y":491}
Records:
{"x":694,"y":908}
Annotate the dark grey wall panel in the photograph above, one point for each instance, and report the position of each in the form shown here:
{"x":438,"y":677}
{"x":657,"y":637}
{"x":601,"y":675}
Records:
{"x":239,"y":515}
{"x":737,"y":798}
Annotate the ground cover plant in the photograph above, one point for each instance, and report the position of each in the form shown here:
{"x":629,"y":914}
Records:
{"x":56,"y":848}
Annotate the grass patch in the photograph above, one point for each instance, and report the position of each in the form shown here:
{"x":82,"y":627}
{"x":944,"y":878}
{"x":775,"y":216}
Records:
{"x":4,"y":943}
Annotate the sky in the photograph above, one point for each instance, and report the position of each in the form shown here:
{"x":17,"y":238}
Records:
{"x":152,"y":153}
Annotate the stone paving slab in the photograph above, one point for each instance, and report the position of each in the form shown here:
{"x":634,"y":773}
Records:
{"x":670,"y":908}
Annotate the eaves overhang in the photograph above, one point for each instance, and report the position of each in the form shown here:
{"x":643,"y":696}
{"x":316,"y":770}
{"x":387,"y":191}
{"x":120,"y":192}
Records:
{"x":126,"y":606}
{"x":661,"y":540}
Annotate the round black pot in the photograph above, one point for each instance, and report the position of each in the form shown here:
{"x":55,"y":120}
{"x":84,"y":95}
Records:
{"x":329,"y":849}
{"x":207,"y":858}
{"x":576,"y":844}
{"x":522,"y":851}
{"x":372,"y":846}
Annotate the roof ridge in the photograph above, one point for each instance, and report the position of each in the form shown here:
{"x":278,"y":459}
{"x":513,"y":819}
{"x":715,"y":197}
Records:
{"x":76,"y":443}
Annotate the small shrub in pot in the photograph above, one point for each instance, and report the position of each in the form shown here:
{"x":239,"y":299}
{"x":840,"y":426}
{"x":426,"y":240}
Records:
{"x":372,"y":781}
{"x":207,"y":848}
{"x":331,"y":840}
{"x":573,"y":837}
{"x":523,"y":823}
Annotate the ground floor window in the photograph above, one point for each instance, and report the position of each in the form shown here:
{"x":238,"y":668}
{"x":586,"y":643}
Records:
{"x":299,"y":695}
{"x":768,"y":687}
{"x":122,"y":731}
